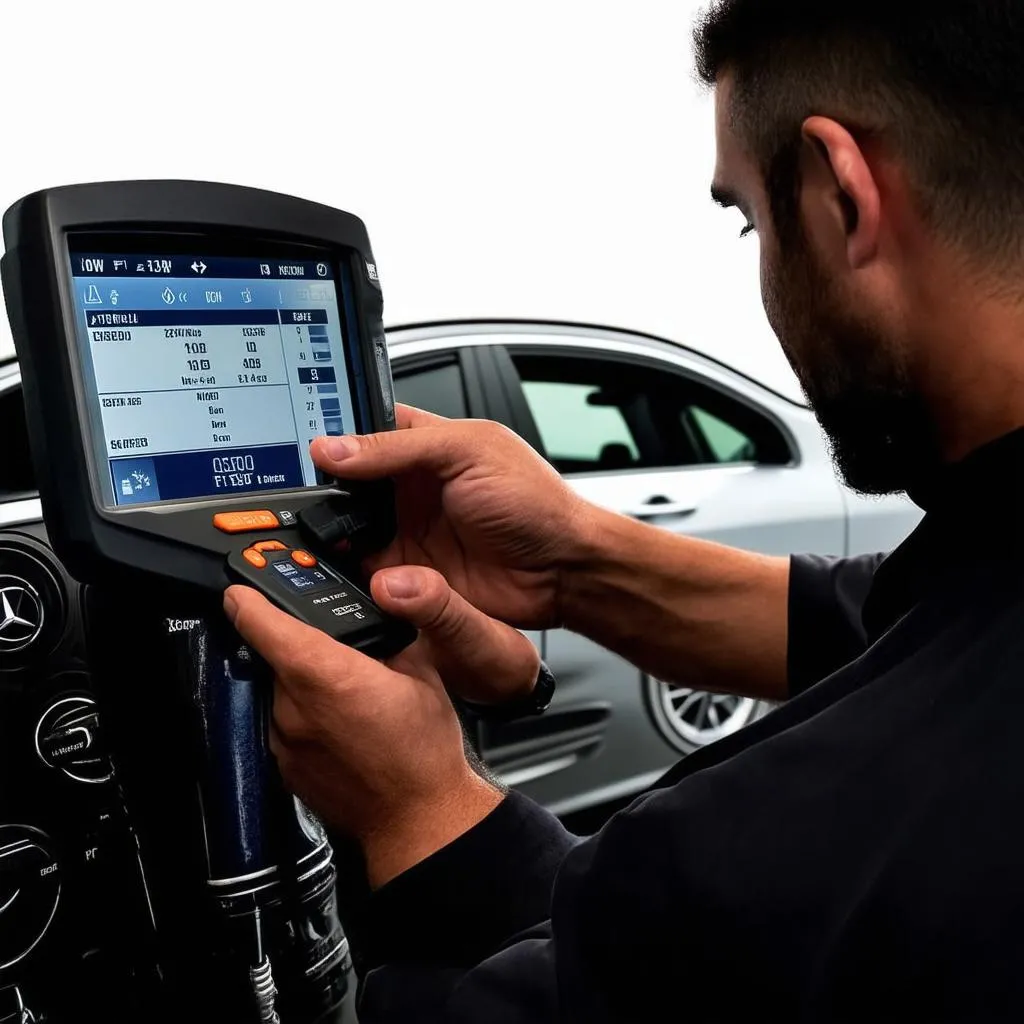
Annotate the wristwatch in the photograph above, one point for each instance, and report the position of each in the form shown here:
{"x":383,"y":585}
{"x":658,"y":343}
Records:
{"x":536,"y":702}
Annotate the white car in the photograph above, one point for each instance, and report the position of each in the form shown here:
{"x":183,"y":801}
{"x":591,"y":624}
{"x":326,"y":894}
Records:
{"x":636,"y":424}
{"x":666,"y":435}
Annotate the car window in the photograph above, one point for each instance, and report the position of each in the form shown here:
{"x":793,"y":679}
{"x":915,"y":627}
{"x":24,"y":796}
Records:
{"x":598,"y":414}
{"x":723,"y":440}
{"x":437,"y":387}
{"x":573,"y":431}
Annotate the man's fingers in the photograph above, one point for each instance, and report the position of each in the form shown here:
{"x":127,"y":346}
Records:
{"x":408,"y":416}
{"x":478,"y":657}
{"x":419,"y":595}
{"x":282,"y":640}
{"x":436,"y":444}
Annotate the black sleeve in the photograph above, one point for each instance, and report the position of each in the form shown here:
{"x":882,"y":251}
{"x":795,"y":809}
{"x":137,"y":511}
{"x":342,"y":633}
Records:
{"x":424,"y":931}
{"x":826,"y":598}
{"x":615,"y":947}
{"x":600,"y":956}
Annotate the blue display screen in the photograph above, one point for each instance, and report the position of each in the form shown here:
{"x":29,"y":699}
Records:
{"x":209,"y":375}
{"x":303,"y":579}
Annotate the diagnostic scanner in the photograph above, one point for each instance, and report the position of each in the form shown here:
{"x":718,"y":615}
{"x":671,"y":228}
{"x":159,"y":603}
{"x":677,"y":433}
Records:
{"x":181,"y":344}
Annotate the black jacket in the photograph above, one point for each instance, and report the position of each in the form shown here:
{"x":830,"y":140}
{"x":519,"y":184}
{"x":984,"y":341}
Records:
{"x":856,"y":855}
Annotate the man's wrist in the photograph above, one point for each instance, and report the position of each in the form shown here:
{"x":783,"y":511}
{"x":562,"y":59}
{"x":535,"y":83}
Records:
{"x":591,"y":559}
{"x":426,"y":826}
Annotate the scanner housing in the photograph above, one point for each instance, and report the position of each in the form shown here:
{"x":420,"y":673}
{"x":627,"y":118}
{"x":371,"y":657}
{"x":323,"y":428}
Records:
{"x":181,"y":343}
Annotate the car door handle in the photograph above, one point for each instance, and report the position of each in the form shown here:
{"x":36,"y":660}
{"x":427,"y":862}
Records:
{"x":659,"y":505}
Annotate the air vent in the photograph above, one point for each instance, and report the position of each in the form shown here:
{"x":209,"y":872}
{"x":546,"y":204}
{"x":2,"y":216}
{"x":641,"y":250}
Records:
{"x":33,"y":606}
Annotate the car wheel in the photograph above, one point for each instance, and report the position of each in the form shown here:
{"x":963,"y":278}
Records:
{"x":691,"y":719}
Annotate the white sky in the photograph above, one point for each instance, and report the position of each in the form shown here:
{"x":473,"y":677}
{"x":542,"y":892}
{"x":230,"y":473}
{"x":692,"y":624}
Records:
{"x":547,"y":158}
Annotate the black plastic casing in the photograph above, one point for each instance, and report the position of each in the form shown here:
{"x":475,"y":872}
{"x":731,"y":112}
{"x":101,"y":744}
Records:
{"x":174,"y":541}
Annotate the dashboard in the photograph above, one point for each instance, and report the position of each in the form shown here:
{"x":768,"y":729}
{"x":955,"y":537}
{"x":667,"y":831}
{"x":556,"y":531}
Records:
{"x":101,"y":918}
{"x":66,"y":842}
{"x":87,"y":864}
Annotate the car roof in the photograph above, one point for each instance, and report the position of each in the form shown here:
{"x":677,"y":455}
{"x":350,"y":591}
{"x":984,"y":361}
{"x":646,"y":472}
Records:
{"x":399,"y":334}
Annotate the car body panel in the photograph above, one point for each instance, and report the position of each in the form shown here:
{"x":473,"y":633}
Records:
{"x":877,"y":523}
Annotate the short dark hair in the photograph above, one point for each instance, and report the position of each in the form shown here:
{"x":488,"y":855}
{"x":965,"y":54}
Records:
{"x":941,"y":83}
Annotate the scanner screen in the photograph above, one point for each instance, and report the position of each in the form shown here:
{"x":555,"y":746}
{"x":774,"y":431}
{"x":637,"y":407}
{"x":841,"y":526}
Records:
{"x":208,"y":375}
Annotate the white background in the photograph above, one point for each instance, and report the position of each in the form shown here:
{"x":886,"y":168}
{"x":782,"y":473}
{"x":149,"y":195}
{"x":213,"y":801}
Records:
{"x":538,"y":159}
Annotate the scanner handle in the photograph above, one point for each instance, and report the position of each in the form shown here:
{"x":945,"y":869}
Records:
{"x":315,"y":592}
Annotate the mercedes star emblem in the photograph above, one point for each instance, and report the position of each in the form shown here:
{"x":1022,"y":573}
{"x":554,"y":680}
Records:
{"x":21,"y":616}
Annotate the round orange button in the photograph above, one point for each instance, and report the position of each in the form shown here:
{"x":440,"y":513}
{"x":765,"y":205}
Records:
{"x":303,"y":558}
{"x":254,"y":558}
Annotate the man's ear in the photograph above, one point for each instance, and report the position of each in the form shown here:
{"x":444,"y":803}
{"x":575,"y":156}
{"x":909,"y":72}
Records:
{"x":844,"y":187}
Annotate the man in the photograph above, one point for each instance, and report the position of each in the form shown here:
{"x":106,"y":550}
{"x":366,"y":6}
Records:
{"x":857,"y":854}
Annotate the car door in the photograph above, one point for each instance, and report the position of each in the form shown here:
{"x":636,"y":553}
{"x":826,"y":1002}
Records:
{"x":473,"y":380}
{"x":644,"y":437}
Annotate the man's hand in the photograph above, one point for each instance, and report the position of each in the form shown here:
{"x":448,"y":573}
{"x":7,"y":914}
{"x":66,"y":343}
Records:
{"x":476,"y":503}
{"x":478,"y":658}
{"x":377,"y":749}
{"x":479,"y":505}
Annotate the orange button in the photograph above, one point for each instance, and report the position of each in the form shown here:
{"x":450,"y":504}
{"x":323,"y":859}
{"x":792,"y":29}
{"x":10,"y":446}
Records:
{"x":303,"y":558}
{"x":269,"y":545}
{"x":243,"y":522}
{"x":254,"y":558}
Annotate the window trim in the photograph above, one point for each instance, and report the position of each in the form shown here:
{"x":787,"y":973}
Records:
{"x":504,"y":390}
{"x":596,"y":351}
{"x":463,"y":358}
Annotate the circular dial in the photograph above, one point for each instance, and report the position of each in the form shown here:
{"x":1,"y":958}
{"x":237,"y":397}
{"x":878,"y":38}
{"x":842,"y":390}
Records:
{"x":22,"y":614}
{"x":29,"y":890}
{"x":33,"y":611}
{"x":67,"y":738}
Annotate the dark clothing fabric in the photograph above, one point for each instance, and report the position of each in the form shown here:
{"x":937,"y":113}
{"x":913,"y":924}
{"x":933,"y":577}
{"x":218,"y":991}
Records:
{"x":854,"y":856}
{"x":826,"y":596}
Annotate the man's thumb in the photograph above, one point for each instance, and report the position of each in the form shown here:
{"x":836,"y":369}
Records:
{"x":272,"y":633}
{"x":478,"y":657}
{"x":372,"y":456}
{"x":421,"y":596}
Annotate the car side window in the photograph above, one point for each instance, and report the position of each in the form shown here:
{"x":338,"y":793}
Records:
{"x":574,"y":432}
{"x":436,"y":386}
{"x":597,"y":414}
{"x":723,"y":440}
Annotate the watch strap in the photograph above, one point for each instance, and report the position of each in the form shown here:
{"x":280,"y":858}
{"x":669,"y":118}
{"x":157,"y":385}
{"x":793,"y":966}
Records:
{"x":536,"y":702}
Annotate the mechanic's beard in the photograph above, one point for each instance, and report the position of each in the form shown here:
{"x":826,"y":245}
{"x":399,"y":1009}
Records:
{"x":880,"y":434}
